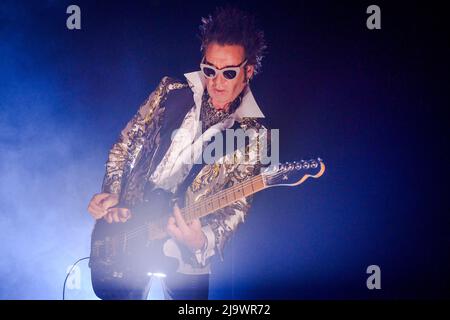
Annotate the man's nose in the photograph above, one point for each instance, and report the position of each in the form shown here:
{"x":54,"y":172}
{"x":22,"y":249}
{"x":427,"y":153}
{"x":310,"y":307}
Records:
{"x":219,"y":81}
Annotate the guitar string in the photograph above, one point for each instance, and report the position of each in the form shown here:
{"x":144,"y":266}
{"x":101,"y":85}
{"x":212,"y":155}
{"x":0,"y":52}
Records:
{"x":196,"y":206}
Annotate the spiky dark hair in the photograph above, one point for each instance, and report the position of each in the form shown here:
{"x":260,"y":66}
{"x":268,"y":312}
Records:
{"x":232,"y":26}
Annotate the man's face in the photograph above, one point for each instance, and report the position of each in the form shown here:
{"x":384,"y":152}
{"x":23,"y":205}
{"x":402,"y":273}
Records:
{"x":223,"y":91}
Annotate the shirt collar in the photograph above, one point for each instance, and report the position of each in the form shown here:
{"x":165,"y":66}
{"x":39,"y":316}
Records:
{"x":248,"y":108}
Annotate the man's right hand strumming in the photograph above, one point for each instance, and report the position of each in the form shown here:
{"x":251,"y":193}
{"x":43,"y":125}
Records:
{"x":101,"y":205}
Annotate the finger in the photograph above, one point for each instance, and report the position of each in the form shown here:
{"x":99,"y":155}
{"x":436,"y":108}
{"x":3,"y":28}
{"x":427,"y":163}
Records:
{"x":174,"y":232}
{"x":179,"y":219}
{"x":95,"y":202}
{"x":109,"y":202}
{"x":99,"y":197}
{"x":120,"y":214}
{"x":97,"y":208}
{"x":108,"y":218}
{"x":124,"y":214}
{"x":171,"y":221}
{"x":196,"y":224}
{"x":97,"y":211}
{"x":115,"y":214}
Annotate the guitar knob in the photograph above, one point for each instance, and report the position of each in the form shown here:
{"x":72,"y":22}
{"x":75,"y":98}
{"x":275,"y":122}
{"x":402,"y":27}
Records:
{"x":298,"y":166}
{"x":306,"y":165}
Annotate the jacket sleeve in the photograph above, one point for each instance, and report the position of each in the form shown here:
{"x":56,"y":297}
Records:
{"x":129,"y":143}
{"x":222,"y":224}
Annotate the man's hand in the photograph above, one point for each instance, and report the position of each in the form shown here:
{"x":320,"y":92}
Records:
{"x":101,"y":205}
{"x":190,"y":234}
{"x":118,"y":215}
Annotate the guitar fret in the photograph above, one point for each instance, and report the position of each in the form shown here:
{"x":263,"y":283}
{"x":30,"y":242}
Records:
{"x":258,"y":185}
{"x":247,"y":190}
{"x":224,"y":198}
{"x":217,"y":204}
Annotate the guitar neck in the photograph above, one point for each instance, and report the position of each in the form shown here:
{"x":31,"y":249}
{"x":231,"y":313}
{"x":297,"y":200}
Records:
{"x":223,"y":198}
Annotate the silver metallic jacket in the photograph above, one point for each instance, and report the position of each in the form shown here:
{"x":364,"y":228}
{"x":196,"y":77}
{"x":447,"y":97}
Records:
{"x":130,"y":164}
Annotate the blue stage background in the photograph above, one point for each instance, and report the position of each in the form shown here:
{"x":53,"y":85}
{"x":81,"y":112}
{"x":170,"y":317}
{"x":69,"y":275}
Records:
{"x":370,"y":103}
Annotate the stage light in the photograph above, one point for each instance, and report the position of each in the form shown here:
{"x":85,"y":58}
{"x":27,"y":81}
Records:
{"x":157,"y":274}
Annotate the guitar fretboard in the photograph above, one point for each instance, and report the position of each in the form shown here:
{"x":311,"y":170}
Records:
{"x":223,"y":198}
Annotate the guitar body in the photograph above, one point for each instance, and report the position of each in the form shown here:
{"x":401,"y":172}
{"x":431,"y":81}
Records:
{"x":123,"y":254}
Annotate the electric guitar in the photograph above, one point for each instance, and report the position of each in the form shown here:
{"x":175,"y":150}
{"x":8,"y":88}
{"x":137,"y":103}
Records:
{"x":123,"y":255}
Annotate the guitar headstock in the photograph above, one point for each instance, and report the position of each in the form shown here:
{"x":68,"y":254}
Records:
{"x":293,"y":173}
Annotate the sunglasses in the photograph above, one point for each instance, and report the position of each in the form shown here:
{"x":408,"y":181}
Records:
{"x":228,"y":73}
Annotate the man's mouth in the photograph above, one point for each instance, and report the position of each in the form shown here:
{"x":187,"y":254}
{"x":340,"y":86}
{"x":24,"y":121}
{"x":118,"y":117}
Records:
{"x":219,"y":91}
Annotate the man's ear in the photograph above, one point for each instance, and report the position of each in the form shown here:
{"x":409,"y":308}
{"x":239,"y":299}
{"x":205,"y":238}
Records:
{"x":250,"y":71}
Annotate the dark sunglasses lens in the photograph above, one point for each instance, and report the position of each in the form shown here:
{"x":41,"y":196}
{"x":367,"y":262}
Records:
{"x":229,"y":74}
{"x":209,"y":72}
